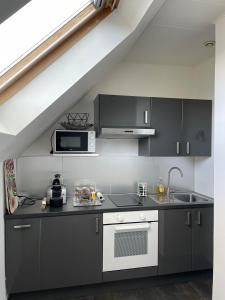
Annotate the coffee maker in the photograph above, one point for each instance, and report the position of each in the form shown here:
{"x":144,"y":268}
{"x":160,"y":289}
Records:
{"x":56,"y":193}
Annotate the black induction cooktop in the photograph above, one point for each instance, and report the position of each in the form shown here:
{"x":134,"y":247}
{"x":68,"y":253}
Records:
{"x":124,"y":200}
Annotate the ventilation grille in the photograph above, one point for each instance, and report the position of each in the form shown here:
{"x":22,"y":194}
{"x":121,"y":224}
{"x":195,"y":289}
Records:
{"x":130,"y":243}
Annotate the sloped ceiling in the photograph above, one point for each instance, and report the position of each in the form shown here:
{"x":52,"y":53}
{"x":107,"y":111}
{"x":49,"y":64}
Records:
{"x":176,"y":34}
{"x":30,"y":112}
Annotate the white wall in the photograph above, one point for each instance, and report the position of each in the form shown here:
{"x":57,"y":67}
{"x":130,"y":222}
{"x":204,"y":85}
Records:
{"x":126,"y":79}
{"x":149,"y":80}
{"x":204,"y":81}
{"x":204,"y":177}
{"x":219,"y":169}
{"x":44,"y":97}
{"x":2,"y":240}
{"x":117,"y":169}
{"x":169,"y":81}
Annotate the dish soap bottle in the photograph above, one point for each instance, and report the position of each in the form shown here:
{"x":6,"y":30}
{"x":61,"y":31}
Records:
{"x":160,"y":189}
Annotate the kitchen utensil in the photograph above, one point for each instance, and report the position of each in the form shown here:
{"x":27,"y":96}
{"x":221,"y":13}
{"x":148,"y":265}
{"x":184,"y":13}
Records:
{"x":142,"y":189}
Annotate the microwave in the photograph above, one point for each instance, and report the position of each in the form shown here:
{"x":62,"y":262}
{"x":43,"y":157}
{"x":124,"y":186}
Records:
{"x":74,"y":141}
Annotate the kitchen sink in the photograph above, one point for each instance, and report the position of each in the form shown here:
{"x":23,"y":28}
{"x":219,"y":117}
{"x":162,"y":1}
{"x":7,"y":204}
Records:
{"x":190,"y":198}
{"x":163,"y":199}
{"x":180,"y":198}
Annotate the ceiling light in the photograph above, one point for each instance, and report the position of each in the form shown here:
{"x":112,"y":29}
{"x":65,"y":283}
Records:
{"x":209,"y":43}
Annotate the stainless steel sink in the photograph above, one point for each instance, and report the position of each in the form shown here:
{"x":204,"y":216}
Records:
{"x":190,"y":197}
{"x":180,"y":198}
{"x":164,"y":199}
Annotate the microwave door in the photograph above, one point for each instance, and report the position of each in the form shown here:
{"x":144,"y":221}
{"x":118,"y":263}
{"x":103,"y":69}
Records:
{"x":72,"y":142}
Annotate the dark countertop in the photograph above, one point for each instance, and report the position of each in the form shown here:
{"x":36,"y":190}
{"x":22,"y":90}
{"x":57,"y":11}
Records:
{"x":35,"y":211}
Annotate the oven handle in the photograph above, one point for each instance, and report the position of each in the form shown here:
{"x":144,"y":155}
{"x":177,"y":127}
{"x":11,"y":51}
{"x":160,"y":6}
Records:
{"x":135,"y":227}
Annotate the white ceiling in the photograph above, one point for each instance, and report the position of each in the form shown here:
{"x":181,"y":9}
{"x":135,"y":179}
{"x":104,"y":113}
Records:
{"x":177,"y":32}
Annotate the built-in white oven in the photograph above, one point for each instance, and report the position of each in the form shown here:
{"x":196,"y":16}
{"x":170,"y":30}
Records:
{"x":130,"y":240}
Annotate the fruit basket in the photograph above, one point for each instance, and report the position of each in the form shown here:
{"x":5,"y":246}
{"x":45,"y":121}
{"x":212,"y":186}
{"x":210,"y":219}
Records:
{"x":76,"y":121}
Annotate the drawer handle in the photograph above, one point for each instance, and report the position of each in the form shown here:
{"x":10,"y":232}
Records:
{"x":146,"y":117}
{"x":189,"y":218}
{"x":131,"y":228}
{"x":199,"y":220}
{"x":128,"y":131}
{"x":97,"y":224}
{"x":22,"y":226}
{"x":188,"y":148}
{"x":178,"y":148}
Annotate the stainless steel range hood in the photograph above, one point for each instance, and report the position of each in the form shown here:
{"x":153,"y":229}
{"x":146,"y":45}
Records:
{"x":129,"y":133}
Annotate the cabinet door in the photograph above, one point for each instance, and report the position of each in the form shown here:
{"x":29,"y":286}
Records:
{"x":22,"y":238}
{"x":71,"y":251}
{"x":174,"y":241}
{"x":202,"y":238}
{"x":166,"y":117}
{"x":124,"y":111}
{"x":197,"y":131}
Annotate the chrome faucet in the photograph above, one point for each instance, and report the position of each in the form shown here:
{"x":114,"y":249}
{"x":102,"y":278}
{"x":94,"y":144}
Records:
{"x":169,"y":175}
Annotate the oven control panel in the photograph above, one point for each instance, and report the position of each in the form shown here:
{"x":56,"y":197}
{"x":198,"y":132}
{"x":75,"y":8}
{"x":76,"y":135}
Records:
{"x":130,"y":217}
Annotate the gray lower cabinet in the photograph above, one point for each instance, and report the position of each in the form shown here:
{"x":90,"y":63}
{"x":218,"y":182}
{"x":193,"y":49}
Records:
{"x":185,"y":240}
{"x":53,"y":252}
{"x":174,"y":241}
{"x":71,"y":250}
{"x":22,"y":238}
{"x":63,"y":251}
{"x":202,"y":238}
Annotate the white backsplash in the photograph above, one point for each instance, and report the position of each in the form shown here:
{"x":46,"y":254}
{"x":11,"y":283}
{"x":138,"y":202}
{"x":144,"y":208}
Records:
{"x":117,"y":169}
{"x":116,"y":173}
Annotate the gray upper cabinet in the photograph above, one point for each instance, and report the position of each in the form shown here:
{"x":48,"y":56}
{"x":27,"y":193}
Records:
{"x":197,"y":123}
{"x":185,"y":240}
{"x":22,"y":238}
{"x":122,"y":112}
{"x":183,"y":128}
{"x":71,"y":251}
{"x":166,"y":119}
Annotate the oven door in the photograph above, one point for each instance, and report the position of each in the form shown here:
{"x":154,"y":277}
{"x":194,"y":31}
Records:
{"x":128,"y":246}
{"x":71,"y":141}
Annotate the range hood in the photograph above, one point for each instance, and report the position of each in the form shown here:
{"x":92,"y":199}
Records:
{"x":129,"y":133}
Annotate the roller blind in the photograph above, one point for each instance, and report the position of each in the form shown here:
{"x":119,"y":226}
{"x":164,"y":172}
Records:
{"x":106,"y":3}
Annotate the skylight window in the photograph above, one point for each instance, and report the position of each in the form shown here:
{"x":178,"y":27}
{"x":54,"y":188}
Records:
{"x":39,"y":33}
{"x":32,"y":25}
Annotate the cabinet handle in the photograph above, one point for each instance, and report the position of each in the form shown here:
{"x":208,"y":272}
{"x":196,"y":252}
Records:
{"x":188,"y":148}
{"x":97,"y":224}
{"x":188,"y":218}
{"x":146,"y":117}
{"x":128,"y":131}
{"x":199,"y":220}
{"x":22,"y":226}
{"x":178,"y":148}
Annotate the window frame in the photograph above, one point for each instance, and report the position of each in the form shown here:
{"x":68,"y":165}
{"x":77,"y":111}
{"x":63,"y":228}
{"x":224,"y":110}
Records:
{"x":53,"y":47}
{"x":46,"y":46}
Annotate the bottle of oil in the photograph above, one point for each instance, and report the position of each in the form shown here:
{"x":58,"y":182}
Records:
{"x":160,"y":189}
